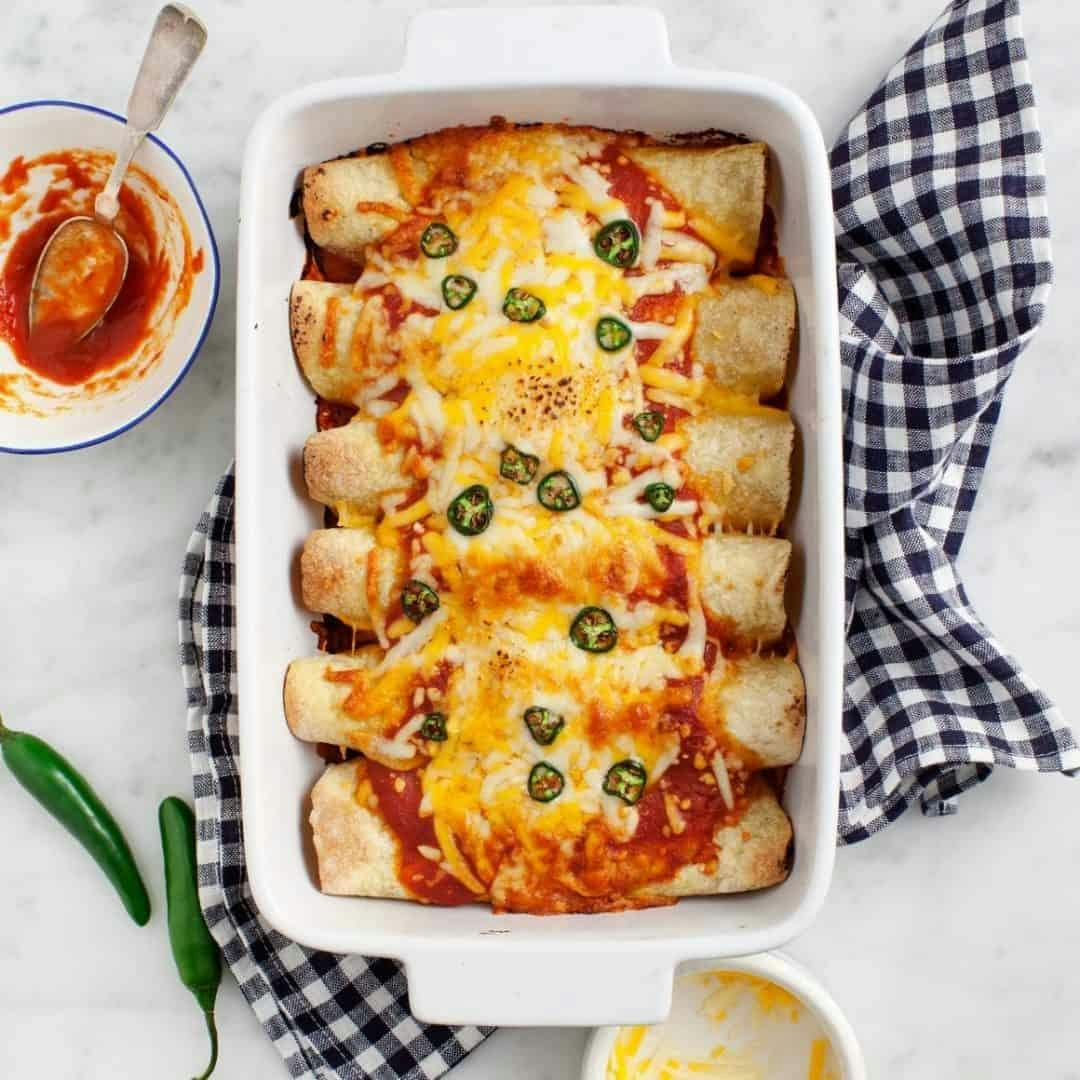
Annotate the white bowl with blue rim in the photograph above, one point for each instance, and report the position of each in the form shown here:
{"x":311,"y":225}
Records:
{"x":69,"y":420}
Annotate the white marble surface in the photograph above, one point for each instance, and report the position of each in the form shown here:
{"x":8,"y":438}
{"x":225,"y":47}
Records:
{"x":953,"y":944}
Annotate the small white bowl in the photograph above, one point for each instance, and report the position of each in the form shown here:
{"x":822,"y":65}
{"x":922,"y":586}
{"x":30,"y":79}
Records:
{"x":777,"y":968}
{"x":37,"y":127}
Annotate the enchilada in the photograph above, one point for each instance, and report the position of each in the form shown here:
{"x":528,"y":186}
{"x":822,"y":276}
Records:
{"x":556,"y":498}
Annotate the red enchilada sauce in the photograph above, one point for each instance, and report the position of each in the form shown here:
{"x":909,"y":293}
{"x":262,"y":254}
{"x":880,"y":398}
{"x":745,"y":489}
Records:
{"x":332,"y":414}
{"x":79,"y":275}
{"x":399,"y":795}
{"x":630,"y":184}
{"x":679,"y":814}
{"x":49,"y":352}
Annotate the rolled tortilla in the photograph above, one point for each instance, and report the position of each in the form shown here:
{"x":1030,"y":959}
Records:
{"x":342,"y":572}
{"x":754,"y":853}
{"x":355,"y":201}
{"x":315,"y":708}
{"x":357,"y":853}
{"x":744,"y":333}
{"x":722,"y":190}
{"x":334,"y":574}
{"x":757,"y":708}
{"x":743,"y":336}
{"x":352,"y":202}
{"x":742,"y":581}
{"x":310,"y":698}
{"x":322,"y":322}
{"x":349,"y":465}
{"x":743,"y":463}
{"x":742,"y":587}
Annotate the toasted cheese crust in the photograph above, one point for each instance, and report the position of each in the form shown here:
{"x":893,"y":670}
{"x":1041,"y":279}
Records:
{"x":497,"y":320}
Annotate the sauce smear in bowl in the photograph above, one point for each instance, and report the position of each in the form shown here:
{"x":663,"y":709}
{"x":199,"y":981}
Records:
{"x":727,"y":1024}
{"x":157,"y":286}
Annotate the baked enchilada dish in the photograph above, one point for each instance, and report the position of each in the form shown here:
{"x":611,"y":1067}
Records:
{"x":555,"y":671}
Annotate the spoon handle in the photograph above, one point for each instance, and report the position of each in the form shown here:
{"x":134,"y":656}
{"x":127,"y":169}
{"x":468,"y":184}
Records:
{"x":175,"y":43}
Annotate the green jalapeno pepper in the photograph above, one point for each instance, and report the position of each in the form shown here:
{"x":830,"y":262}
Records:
{"x":471,"y":511}
{"x":418,"y":600}
{"x":543,"y":724}
{"x":434,"y":727}
{"x":522,"y":306}
{"x":558,"y":492}
{"x":593,"y":630}
{"x":198,"y":960}
{"x":612,"y":334}
{"x":56,"y":784}
{"x":438,"y":240}
{"x":650,"y":425}
{"x":617,"y":243}
{"x":660,"y":496}
{"x":516,"y":465}
{"x":626,"y":780}
{"x":545,"y":782}
{"x":457,"y":290}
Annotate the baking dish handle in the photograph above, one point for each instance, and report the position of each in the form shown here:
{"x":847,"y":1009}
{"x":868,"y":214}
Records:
{"x":598,"y":43}
{"x":548,"y":986}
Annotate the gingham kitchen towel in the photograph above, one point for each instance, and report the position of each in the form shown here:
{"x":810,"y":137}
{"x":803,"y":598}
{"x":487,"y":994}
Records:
{"x":944,"y":252}
{"x":342,"y":1017}
{"x":944,"y":270}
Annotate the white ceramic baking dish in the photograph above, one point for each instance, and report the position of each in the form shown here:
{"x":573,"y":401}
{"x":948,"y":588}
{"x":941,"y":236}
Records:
{"x":595,"y":65}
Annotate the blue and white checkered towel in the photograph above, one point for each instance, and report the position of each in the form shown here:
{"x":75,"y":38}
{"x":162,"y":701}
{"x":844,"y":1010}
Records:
{"x":944,"y":271}
{"x":944,"y":250}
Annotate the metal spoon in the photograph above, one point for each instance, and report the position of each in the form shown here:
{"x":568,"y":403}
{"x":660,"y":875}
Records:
{"x":82,"y":267}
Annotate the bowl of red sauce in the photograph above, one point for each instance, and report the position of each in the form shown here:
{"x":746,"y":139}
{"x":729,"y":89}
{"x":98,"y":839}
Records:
{"x":59,"y":395}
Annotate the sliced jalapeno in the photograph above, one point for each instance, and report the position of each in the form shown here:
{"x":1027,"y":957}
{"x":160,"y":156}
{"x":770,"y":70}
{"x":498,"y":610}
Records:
{"x":626,"y":780}
{"x":471,"y":511}
{"x":545,"y":782}
{"x":660,"y":496}
{"x":617,"y":243}
{"x":593,"y":630}
{"x":650,"y":425}
{"x":522,"y":306}
{"x":434,"y":727}
{"x":438,"y":240}
{"x":516,"y":465}
{"x":418,"y":600}
{"x":558,"y":492}
{"x":457,"y":290}
{"x":612,"y":334}
{"x":543,"y":724}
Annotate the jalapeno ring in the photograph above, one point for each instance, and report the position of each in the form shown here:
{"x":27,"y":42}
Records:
{"x":457,"y":290}
{"x":626,"y":780}
{"x":650,"y":425}
{"x":593,"y":630}
{"x":522,"y":306}
{"x":558,"y":492}
{"x":516,"y":465}
{"x":438,"y":240}
{"x":617,"y":243}
{"x":471,"y":511}
{"x":545,"y":782}
{"x":418,"y":600}
{"x":543,"y":724}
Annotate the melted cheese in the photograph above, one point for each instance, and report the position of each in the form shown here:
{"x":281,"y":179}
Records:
{"x":525,"y":218}
{"x":726,"y":1024}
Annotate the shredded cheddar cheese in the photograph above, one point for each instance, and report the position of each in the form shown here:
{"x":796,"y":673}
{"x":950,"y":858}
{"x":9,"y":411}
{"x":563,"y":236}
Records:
{"x":726,"y":1024}
{"x":460,"y":387}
